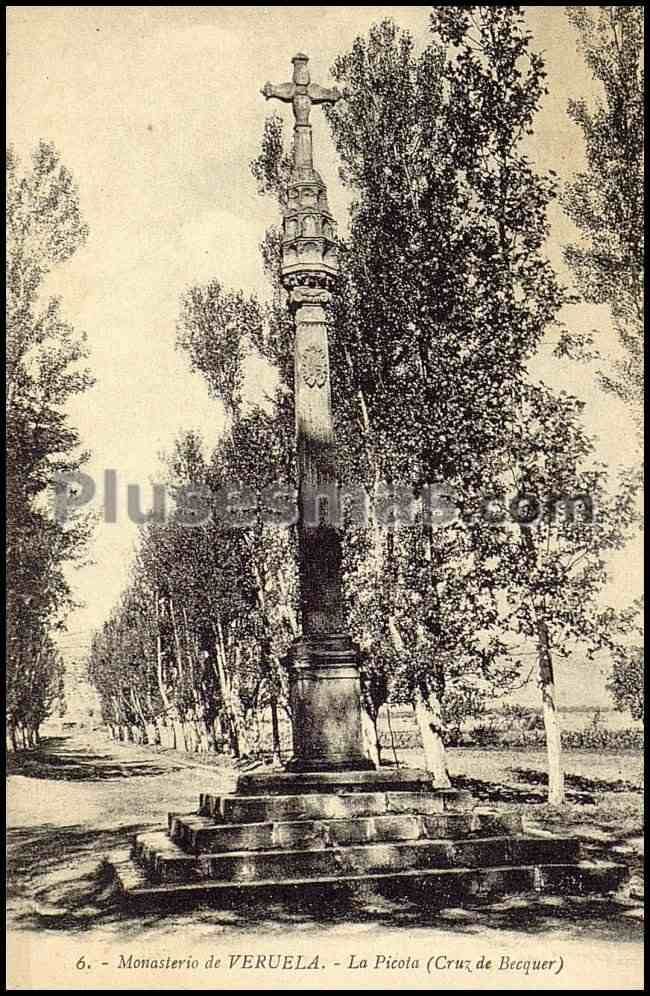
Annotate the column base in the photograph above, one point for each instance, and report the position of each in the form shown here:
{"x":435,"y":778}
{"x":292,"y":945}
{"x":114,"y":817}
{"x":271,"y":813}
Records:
{"x":382,"y":779}
{"x":326,"y":705}
{"x":299,"y":765}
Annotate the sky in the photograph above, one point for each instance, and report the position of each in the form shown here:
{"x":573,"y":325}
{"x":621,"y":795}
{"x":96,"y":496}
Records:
{"x":157,"y":113}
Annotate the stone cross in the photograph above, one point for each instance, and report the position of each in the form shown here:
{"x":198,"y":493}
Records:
{"x":323,"y":663}
{"x":302,"y":93}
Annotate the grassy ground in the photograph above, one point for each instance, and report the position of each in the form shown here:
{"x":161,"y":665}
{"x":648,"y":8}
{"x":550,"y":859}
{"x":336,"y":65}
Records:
{"x":610,"y":823}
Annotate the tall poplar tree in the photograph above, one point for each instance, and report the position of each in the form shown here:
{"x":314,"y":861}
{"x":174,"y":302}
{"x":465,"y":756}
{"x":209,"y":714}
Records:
{"x":44,"y":353}
{"x":606,"y":200}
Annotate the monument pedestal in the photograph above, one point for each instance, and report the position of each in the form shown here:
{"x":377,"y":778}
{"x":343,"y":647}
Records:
{"x":326,"y":706}
{"x":335,"y":824}
{"x":304,"y":842}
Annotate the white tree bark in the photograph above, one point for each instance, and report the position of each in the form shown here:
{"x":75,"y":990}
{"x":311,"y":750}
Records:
{"x":556,"y":795}
{"x":429,"y":719}
{"x":369,"y":732}
{"x":428,"y":715}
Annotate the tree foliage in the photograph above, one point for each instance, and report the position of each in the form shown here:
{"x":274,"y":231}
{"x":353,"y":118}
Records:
{"x":626,"y":682}
{"x":191,"y":656}
{"x":44,"y":229}
{"x":605,"y":200}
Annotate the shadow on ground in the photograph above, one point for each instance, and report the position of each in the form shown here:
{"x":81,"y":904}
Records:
{"x":579,"y":782}
{"x":61,"y":759}
{"x":488,"y":791}
{"x":57,"y":875}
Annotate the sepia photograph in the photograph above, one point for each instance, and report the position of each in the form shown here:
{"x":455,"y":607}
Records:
{"x":324,"y":497}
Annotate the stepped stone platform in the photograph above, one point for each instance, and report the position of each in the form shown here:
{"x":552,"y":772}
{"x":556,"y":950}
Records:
{"x":388,"y":830}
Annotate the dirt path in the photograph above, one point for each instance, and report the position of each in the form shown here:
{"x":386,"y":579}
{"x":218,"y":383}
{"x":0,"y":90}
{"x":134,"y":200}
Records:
{"x":78,"y":798}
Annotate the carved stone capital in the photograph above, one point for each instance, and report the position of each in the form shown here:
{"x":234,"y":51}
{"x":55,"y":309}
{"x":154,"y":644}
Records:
{"x":299,"y":297}
{"x":319,"y":279}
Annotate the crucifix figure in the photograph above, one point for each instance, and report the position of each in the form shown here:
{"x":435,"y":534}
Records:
{"x":302,"y":93}
{"x":323,"y":663}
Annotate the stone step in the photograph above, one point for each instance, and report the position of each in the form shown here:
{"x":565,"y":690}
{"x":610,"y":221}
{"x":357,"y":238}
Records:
{"x":309,"y":806}
{"x":200,"y":835}
{"x":167,"y":862}
{"x":428,"y":887}
{"x":383,"y":779}
{"x":163,"y":859}
{"x":376,"y":858}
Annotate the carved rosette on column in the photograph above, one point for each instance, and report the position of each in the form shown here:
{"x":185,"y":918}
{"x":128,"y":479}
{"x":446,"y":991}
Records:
{"x":325,"y":683}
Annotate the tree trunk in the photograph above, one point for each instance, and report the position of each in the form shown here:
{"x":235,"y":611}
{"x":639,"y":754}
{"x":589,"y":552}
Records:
{"x":179,"y":735}
{"x":427,"y":713}
{"x":159,"y":661}
{"x":275,"y":731}
{"x":236,"y":711}
{"x":192,"y":735}
{"x":218,"y":733}
{"x":166,"y":732}
{"x":203,"y":735}
{"x":556,"y":796}
{"x":226,"y":691}
{"x":199,"y":736}
{"x":370,"y":737}
{"x":233,"y":738}
{"x":137,"y":707}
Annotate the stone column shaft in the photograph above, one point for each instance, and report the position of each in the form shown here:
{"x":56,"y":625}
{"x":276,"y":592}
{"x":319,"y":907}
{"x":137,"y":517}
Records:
{"x":324,"y":672}
{"x":325,"y":684}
